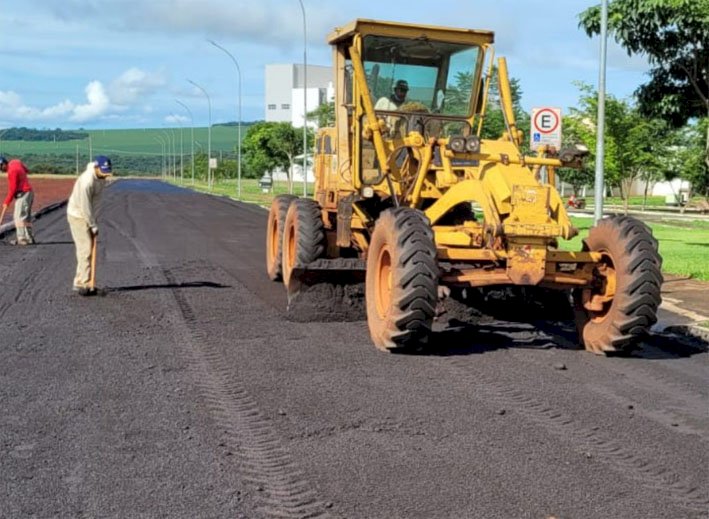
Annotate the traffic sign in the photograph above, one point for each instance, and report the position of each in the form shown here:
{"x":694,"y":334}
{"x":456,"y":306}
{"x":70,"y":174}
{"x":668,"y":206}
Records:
{"x":546,"y":127}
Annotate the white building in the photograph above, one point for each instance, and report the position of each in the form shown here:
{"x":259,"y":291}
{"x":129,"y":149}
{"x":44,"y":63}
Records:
{"x":284,"y":92}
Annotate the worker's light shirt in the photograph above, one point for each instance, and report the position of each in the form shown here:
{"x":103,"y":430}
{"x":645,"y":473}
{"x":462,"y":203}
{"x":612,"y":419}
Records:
{"x":86,"y":195}
{"x":385,"y":103}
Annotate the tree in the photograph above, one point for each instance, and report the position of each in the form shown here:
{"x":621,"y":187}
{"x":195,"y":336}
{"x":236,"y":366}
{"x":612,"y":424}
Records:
{"x":323,"y":115}
{"x":673,"y":34}
{"x":577,"y":131}
{"x":687,"y":160}
{"x":458,"y":97}
{"x":494,"y":124}
{"x":634,"y":145}
{"x":271,"y":145}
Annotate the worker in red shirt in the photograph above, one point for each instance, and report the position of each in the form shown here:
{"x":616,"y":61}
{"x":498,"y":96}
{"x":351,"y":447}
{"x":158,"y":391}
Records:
{"x":19,"y":190}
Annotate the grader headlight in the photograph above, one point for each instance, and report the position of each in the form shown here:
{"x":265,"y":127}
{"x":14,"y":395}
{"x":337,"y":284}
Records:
{"x":457,"y":144}
{"x":472,"y":144}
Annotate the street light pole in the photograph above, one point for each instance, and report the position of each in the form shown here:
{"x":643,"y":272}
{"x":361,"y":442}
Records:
{"x":162,"y":144}
{"x":1,"y":134}
{"x":209,"y":134}
{"x":601,"y":118}
{"x":182,"y":153}
{"x":305,"y":103}
{"x":191,"y":128}
{"x":168,"y":141}
{"x":174,"y":154}
{"x":238,"y":142}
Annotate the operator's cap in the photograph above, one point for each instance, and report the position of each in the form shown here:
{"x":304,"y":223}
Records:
{"x":104,"y":164}
{"x":403,"y":84}
{"x":3,"y":160}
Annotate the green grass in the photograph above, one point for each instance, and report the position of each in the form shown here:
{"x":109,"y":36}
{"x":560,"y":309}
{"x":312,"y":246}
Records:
{"x":633,"y":201}
{"x":684,"y":245}
{"x":251,"y":192}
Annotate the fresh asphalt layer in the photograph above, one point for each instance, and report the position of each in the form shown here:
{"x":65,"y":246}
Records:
{"x":186,"y":391}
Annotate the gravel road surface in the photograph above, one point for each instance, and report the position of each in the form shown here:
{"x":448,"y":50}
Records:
{"x":186,"y":391}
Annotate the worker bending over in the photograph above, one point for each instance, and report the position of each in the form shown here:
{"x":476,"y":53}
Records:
{"x":19,"y":190}
{"x":81,"y":213}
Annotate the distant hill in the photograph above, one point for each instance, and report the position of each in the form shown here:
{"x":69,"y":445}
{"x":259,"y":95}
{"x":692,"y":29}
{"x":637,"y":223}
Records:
{"x":30,"y":134}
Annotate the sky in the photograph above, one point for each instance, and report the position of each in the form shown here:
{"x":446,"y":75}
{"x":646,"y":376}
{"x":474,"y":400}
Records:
{"x":101,"y":64}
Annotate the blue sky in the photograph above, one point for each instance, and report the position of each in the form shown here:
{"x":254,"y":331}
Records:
{"x":122,"y":63}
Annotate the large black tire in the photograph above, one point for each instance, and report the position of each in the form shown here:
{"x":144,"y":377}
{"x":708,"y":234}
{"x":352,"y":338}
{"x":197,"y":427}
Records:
{"x":630,"y":255}
{"x":402,"y":280}
{"x":303,"y":237}
{"x":274,"y":235}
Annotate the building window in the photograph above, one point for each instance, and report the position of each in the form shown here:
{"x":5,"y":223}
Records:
{"x":285,"y":106}
{"x":271,"y":107}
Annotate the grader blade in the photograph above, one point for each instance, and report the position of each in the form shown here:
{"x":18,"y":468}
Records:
{"x":341,"y":271}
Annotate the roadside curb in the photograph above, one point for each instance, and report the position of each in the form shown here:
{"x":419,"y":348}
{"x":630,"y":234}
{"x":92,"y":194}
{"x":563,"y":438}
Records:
{"x":689,"y":330}
{"x":10,"y":226}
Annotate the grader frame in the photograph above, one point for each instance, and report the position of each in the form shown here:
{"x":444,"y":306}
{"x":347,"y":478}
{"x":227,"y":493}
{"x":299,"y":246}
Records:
{"x":415,"y":197}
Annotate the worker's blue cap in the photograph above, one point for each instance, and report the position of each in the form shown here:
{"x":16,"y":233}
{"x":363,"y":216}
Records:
{"x":3,"y":160}
{"x":103,"y":163}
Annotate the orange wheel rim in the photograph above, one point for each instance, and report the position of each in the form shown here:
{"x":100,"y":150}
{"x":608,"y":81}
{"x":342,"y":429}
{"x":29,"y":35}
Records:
{"x":383,"y":279}
{"x":273,"y":242}
{"x":290,"y":256}
{"x":610,"y":283}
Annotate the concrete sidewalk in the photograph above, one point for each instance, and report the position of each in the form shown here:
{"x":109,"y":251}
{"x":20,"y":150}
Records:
{"x":685,"y":306}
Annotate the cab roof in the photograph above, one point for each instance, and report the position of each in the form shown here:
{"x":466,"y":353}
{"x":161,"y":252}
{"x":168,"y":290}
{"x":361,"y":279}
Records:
{"x":364,"y":27}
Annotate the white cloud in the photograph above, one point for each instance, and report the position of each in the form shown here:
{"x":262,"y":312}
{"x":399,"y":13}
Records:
{"x":269,"y":22}
{"x":13,"y":108}
{"x":135,"y":84}
{"x":177,"y":119}
{"x":128,"y":90}
{"x":98,"y":104}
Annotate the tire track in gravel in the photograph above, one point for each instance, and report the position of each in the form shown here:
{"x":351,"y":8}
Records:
{"x":587,"y":438}
{"x":283,"y":491}
{"x":688,"y":407}
{"x":283,"y":488}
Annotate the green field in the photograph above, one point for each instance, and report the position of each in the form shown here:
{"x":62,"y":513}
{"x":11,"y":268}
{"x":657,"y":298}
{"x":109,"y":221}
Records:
{"x":135,"y":151}
{"x":129,"y":142}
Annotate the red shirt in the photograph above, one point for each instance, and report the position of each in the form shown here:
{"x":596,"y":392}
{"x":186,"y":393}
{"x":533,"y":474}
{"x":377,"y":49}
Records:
{"x":16,"y":180}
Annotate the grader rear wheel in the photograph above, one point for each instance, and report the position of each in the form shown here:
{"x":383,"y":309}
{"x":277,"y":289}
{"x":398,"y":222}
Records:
{"x":303,"y":238}
{"x":622,"y":306}
{"x":402,"y":280}
{"x":274,"y":235}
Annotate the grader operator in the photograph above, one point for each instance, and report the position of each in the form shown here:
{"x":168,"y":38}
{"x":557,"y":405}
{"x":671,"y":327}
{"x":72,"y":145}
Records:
{"x":410,"y":196}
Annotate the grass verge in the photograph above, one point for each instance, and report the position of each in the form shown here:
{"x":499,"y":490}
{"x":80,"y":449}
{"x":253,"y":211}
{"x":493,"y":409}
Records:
{"x":684,"y":245}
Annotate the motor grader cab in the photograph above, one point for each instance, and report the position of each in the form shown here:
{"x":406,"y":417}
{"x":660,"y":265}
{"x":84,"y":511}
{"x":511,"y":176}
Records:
{"x":409,"y":196}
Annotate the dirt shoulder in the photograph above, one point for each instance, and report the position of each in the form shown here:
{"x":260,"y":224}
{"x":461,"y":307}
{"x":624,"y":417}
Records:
{"x":48,"y":190}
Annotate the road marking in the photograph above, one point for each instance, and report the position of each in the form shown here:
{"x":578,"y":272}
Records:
{"x":670,"y":305}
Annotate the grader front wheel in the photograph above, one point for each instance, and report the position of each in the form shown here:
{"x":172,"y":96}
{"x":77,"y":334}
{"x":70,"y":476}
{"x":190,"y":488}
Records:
{"x":274,"y":235}
{"x":622,"y":306}
{"x":303,"y":239}
{"x":402,"y":280}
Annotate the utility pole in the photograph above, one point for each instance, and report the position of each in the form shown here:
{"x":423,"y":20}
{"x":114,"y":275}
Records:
{"x":601,"y":123}
{"x":192,"y":132}
{"x":305,"y":103}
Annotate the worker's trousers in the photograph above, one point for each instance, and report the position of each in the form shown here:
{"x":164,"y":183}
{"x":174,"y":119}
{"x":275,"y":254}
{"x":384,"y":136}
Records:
{"x":23,"y":217}
{"x":81,"y":234}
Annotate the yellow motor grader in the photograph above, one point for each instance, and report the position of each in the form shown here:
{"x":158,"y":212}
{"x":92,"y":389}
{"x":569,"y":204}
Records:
{"x":408,"y":195}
